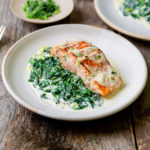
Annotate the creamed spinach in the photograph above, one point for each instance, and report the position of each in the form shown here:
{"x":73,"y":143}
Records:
{"x":47,"y":74}
{"x":136,"y":9}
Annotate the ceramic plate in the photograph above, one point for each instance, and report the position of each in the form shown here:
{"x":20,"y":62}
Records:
{"x":120,"y":51}
{"x":66,"y":7}
{"x":109,"y":14}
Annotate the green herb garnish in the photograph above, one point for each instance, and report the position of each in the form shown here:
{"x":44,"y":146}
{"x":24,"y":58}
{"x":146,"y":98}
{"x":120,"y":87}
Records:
{"x":113,"y":72}
{"x":48,"y":75}
{"x":41,"y":9}
{"x":65,"y":57}
{"x":72,"y":49}
{"x":79,"y":54}
{"x":98,"y":56}
{"x":92,"y":75}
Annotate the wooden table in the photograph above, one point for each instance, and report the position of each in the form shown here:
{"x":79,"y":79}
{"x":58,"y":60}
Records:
{"x":21,"y":129}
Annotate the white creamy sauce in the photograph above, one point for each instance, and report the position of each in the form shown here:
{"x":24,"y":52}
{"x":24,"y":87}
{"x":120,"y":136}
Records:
{"x":107,"y":78}
{"x":141,"y":20}
{"x":50,"y":99}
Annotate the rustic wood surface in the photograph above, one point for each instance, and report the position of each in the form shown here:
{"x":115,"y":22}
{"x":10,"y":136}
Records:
{"x":21,"y":129}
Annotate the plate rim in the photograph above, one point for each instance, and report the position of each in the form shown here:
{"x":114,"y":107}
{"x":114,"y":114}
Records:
{"x":40,"y":21}
{"x":112,"y":25}
{"x":33,"y":109}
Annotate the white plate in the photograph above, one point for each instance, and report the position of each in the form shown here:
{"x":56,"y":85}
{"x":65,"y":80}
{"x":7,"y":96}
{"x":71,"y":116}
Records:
{"x":109,"y":14}
{"x":120,"y":51}
{"x":66,"y":7}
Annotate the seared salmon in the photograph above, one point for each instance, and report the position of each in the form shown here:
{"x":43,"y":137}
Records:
{"x":88,"y":62}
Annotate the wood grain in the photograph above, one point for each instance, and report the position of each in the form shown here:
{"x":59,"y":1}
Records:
{"x":21,"y":129}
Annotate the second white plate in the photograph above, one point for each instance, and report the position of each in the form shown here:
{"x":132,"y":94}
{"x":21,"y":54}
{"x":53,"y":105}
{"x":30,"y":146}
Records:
{"x":120,"y":51}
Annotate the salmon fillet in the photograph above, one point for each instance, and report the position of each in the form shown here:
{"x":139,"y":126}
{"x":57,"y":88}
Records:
{"x":88,"y":62}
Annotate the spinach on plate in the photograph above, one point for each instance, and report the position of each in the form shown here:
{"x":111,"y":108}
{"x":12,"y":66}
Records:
{"x":48,"y":75}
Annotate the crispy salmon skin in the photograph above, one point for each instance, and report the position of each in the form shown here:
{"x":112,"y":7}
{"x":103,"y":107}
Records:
{"x":88,"y":62}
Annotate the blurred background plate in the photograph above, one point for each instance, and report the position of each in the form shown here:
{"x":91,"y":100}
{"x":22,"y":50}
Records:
{"x":109,"y":14}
